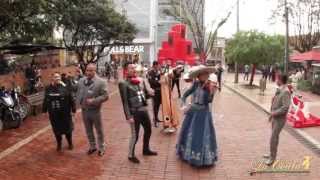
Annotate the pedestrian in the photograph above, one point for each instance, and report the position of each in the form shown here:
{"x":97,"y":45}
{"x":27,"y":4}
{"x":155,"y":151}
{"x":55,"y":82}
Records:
{"x":197,"y":140}
{"x":279,"y":109}
{"x":78,"y":76}
{"x":108,"y":70}
{"x":270,"y":73}
{"x":92,"y":92}
{"x":246,"y":72}
{"x":176,"y":78}
{"x":219,"y":71}
{"x":59,"y":104}
{"x":31,"y":75}
{"x":134,"y":99}
{"x":265,"y":72}
{"x":154,"y":81}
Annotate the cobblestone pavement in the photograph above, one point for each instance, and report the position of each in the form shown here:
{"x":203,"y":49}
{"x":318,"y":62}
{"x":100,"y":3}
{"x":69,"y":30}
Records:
{"x":242,"y":133}
{"x":311,"y":100}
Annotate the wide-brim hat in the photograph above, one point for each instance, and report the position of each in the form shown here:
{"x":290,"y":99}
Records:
{"x":140,"y":68}
{"x":199,"y":70}
{"x":213,"y":78}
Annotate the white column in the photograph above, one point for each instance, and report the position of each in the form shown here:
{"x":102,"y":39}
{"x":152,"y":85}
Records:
{"x":153,"y":30}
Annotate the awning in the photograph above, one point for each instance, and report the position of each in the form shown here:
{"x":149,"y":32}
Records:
{"x":307,"y":56}
{"x":25,"y":48}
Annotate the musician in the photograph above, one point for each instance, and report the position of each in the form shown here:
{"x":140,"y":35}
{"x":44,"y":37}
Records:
{"x":154,"y":80}
{"x":59,"y":103}
{"x":134,"y":99}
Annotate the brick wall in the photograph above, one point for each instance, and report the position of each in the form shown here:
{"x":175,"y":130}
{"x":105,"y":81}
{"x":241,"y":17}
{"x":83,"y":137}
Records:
{"x":19,"y":78}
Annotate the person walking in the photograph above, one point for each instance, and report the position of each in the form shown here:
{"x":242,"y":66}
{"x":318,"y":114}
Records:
{"x":219,"y":71}
{"x":108,"y":70}
{"x":154,"y":76}
{"x":59,"y":104}
{"x":246,"y":72}
{"x":197,"y":140}
{"x":92,"y":92}
{"x":134,"y":99}
{"x":176,"y":78}
{"x":279,"y":109}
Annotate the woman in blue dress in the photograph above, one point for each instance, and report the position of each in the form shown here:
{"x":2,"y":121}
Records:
{"x":197,"y":141}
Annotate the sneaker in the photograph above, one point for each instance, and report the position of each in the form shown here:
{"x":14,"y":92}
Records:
{"x":169,"y":130}
{"x":269,"y":162}
{"x":266,"y":156}
{"x":101,"y":153}
{"x":134,"y":160}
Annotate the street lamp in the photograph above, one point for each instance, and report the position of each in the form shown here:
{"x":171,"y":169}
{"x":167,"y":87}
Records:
{"x":286,"y":56}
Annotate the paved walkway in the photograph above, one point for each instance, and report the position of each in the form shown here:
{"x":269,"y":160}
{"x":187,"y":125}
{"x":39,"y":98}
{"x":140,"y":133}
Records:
{"x":312,"y":100}
{"x":242,"y":132}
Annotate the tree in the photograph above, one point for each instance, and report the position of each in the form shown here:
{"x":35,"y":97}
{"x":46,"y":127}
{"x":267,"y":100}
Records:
{"x":304,"y":23}
{"x":24,"y":20}
{"x":256,"y":48}
{"x":89,"y":27}
{"x":189,"y":13}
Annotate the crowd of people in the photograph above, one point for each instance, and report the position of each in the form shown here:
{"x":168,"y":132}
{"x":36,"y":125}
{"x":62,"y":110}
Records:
{"x":196,"y":143}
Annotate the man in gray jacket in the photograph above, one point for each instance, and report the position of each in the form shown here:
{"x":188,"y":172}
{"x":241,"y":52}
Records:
{"x":92,"y":92}
{"x":279,"y":109}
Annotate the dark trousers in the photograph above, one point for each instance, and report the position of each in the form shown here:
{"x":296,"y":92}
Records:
{"x":59,"y":138}
{"x":176,"y":82}
{"x":156,"y":102}
{"x":140,"y":118}
{"x":246,"y":76}
{"x":219,"y":83}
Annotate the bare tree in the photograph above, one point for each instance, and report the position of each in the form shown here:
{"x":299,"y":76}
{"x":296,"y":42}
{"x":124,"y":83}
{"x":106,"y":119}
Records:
{"x":189,"y":12}
{"x":304,"y":23}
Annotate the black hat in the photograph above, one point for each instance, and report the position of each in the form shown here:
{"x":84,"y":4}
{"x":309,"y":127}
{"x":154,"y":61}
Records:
{"x":155,"y":63}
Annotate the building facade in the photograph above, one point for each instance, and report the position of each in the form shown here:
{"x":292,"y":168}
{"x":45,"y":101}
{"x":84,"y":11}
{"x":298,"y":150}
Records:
{"x":142,"y":14}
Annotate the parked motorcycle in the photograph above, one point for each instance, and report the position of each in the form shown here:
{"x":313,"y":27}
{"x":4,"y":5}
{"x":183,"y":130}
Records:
{"x":9,"y":115}
{"x":21,"y":103}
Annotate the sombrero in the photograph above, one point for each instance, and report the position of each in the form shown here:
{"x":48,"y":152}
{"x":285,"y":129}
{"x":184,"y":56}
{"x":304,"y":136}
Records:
{"x":199,"y":70}
{"x":213,"y":78}
{"x":186,"y":75}
{"x":140,"y":68}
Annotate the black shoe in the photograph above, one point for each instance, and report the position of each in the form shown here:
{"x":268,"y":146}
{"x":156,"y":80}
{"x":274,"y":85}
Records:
{"x":155,"y":123}
{"x":59,"y":147}
{"x":134,"y":160}
{"x":91,"y":151}
{"x":150,"y":153}
{"x":70,"y":147}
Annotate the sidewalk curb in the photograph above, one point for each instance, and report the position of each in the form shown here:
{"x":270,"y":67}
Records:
{"x":308,"y":141}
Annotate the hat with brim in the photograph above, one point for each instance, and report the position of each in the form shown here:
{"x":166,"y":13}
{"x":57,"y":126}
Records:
{"x":139,"y":68}
{"x":200,"y":70}
{"x":213,"y":78}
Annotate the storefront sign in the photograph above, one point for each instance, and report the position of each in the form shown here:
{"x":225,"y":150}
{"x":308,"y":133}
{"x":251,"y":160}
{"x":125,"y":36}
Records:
{"x":127,"y":49}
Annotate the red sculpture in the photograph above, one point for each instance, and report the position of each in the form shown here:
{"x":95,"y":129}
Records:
{"x":177,"y":48}
{"x":298,"y":115}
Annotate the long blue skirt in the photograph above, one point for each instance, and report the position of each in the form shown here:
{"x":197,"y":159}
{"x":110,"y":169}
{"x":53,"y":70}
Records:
{"x":197,"y":143}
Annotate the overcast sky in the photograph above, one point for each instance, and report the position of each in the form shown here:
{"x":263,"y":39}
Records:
{"x":254,"y":14}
